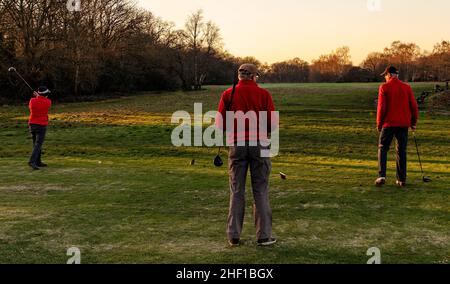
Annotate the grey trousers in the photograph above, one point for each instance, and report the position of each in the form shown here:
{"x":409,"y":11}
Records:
{"x":386,"y":137}
{"x":240,"y":159}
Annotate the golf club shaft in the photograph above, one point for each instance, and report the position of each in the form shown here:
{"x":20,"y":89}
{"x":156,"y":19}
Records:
{"x":20,"y":76}
{"x":418,"y":153}
{"x":230,"y":105}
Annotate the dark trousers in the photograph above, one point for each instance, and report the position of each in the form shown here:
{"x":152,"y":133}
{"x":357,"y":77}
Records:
{"x":386,"y":137}
{"x":38,"y":132}
{"x":240,"y":160}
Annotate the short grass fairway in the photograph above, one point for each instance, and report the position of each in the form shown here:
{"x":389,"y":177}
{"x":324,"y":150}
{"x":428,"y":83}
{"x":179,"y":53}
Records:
{"x":117,"y":189}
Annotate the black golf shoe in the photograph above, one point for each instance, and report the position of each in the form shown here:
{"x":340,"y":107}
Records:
{"x":267,"y":242}
{"x":33,"y":166}
{"x":42,"y":165}
{"x":234,"y":242}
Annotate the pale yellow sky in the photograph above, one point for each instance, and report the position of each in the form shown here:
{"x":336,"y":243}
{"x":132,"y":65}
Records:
{"x":276,"y":30}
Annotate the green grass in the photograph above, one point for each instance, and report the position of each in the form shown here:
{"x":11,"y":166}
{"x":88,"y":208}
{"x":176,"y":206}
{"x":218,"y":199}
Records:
{"x":117,"y":189}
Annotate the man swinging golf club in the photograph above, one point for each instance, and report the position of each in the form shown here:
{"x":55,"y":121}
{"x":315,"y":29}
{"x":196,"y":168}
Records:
{"x":39,"y":107}
{"x":247,"y":97}
{"x":397,"y":112}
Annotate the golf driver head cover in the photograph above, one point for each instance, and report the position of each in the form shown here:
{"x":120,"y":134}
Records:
{"x":218,"y":162}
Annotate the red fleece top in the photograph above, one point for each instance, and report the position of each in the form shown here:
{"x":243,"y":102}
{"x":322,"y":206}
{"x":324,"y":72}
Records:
{"x":39,"y":108}
{"x":397,"y":106}
{"x":248,"y":97}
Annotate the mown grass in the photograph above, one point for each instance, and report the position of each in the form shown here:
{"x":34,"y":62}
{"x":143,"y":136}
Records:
{"x":117,"y":189}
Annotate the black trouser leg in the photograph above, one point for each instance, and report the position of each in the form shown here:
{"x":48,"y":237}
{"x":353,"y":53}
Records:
{"x":386,"y":136}
{"x":38,"y":132}
{"x":401,"y":135}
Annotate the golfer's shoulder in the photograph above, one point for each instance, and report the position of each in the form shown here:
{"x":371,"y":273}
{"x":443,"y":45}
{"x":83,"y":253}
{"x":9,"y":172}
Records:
{"x":386,"y":87}
{"x":46,"y":101}
{"x":263,"y":91}
{"x":383,"y":86}
{"x":227,"y":92}
{"x":406,"y":85}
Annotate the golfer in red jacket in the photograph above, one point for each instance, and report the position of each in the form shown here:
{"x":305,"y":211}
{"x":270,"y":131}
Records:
{"x":39,"y":107}
{"x":246,"y":152}
{"x":397,"y":112}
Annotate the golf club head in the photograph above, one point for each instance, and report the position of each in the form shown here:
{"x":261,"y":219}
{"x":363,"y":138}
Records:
{"x":218,"y":162}
{"x":283,"y":176}
{"x":12,"y":69}
{"x":426,"y":179}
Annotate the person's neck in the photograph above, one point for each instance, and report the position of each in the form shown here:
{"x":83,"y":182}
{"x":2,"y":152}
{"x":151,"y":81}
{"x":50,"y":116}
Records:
{"x":392,"y":78}
{"x":247,"y":80}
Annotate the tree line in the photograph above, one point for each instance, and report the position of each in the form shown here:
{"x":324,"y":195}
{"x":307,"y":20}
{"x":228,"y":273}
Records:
{"x":114,"y":46}
{"x":413,"y":63}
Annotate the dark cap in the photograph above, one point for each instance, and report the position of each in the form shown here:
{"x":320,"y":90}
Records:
{"x":43,"y":90}
{"x":390,"y":70}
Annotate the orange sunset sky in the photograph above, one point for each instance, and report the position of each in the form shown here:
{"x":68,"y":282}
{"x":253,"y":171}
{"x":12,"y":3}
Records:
{"x":276,"y":30}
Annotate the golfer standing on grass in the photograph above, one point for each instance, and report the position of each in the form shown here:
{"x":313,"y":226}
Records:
{"x":39,"y":107}
{"x":247,"y":98}
{"x":397,"y":112}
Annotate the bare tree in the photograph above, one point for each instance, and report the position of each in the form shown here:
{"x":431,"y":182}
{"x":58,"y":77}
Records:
{"x":375,"y":62}
{"x":331,"y":67}
{"x":194,"y":28}
{"x":291,"y":71}
{"x":31,"y":27}
{"x":213,"y":38}
{"x":404,"y":55}
{"x":441,"y":60}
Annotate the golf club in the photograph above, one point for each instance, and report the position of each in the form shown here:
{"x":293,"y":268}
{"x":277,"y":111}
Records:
{"x":218,"y":162}
{"x":424,"y":178}
{"x":12,"y":69}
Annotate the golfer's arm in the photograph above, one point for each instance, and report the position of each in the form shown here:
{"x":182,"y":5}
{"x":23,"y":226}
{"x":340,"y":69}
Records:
{"x":273,"y":118}
{"x":221,"y":115}
{"x":414,"y":108}
{"x":381,"y":113}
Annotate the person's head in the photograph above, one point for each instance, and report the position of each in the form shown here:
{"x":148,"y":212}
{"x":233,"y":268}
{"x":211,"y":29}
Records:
{"x":43,"y":91}
{"x":389,"y":73}
{"x":248,"y":72}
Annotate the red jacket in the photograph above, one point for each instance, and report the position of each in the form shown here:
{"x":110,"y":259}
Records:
{"x":397,"y":106}
{"x":39,"y":108}
{"x":248,"y":97}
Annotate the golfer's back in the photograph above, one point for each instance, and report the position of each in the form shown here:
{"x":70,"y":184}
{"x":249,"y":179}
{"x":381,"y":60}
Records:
{"x":398,"y":106}
{"x":39,"y":108}
{"x":248,"y":97}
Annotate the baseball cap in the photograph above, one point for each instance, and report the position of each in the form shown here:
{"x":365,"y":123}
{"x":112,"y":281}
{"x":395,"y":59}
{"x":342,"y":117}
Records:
{"x":390,"y":70}
{"x":249,"y":68}
{"x":43,"y":90}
